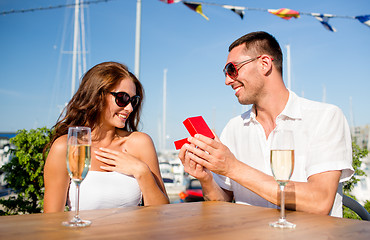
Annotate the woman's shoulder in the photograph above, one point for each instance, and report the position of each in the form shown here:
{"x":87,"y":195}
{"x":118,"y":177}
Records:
{"x":139,"y":138}
{"x":60,"y":144}
{"x":133,"y":136}
{"x":57,"y":153}
{"x":135,"y":140}
{"x":141,"y":145}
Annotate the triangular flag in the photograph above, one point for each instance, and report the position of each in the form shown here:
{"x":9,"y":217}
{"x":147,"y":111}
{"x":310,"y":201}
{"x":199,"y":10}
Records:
{"x":284,"y":13}
{"x":236,"y":9}
{"x":196,"y":7}
{"x":365,"y":19}
{"x":239,"y":12}
{"x":170,"y":1}
{"x":324,"y":20}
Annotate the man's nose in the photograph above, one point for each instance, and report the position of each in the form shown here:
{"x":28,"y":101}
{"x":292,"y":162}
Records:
{"x":228,"y":80}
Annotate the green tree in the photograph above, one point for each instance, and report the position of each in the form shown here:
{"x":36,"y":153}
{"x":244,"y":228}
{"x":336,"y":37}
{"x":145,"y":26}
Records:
{"x":24,"y":172}
{"x":357,"y":155}
{"x":367,"y":205}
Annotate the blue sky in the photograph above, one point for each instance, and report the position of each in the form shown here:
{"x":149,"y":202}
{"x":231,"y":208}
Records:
{"x":35,"y":68}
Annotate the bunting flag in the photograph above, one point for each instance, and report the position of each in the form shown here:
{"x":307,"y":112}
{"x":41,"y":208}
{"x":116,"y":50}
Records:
{"x":324,"y":20}
{"x":364,"y":19}
{"x":170,"y":1}
{"x":284,"y":13}
{"x":236,"y":9}
{"x":197,"y":7}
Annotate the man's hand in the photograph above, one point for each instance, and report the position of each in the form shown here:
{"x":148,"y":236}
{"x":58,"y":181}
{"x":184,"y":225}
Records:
{"x":211,"y":154}
{"x":193,"y":168}
{"x":211,"y":190}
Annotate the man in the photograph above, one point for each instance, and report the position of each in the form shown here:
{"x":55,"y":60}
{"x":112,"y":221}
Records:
{"x":240,"y":160}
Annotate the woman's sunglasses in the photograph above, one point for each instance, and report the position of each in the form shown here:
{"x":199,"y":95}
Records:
{"x":231,"y":70}
{"x":123,"y":99}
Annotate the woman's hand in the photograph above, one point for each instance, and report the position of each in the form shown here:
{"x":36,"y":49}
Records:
{"x":122,"y":162}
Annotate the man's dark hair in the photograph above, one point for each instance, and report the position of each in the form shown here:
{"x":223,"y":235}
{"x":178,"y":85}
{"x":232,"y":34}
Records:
{"x":258,"y":43}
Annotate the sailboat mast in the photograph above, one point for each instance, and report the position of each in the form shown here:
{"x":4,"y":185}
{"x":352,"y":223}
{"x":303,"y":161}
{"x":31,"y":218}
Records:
{"x":75,"y":42}
{"x":352,"y":120}
{"x":324,"y":94}
{"x":137,"y":39}
{"x":288,"y":67}
{"x":83,"y":40}
{"x":79,"y":47}
{"x":164,"y":109}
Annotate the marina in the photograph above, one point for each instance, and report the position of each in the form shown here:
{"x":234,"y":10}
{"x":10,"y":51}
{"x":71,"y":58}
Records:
{"x":5,"y":147}
{"x":173,"y":175}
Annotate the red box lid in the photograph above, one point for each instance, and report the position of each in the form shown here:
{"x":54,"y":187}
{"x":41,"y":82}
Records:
{"x":196,"y":125}
{"x":179,"y":143}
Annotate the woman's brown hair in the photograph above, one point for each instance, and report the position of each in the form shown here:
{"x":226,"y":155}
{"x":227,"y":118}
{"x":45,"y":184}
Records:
{"x":86,"y":106}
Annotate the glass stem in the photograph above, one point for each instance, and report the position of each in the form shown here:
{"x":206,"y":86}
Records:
{"x":77,"y":200}
{"x":282,"y":203}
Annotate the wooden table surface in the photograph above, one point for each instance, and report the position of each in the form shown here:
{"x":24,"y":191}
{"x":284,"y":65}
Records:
{"x":200,"y":220}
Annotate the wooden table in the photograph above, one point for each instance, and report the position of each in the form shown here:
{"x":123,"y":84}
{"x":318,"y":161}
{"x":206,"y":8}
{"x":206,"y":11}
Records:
{"x":201,"y":220}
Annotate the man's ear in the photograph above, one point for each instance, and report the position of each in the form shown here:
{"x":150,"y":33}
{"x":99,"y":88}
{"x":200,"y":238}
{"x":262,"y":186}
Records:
{"x":265,"y":64}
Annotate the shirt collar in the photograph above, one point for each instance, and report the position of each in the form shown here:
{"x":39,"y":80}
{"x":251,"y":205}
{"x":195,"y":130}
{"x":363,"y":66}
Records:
{"x":292,"y":110}
{"x":249,"y":115}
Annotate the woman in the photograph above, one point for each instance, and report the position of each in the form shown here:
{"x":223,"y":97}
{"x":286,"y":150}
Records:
{"x":124,"y":165}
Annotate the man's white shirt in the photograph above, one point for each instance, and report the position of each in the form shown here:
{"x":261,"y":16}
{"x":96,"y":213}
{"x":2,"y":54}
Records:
{"x":322,"y":142}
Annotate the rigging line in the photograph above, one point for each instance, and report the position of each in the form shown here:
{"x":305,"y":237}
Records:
{"x":53,"y":7}
{"x":266,"y":10}
{"x":57,"y":82}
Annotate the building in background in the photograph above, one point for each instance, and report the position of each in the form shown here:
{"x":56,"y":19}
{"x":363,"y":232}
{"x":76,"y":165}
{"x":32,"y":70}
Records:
{"x":5,"y":147}
{"x":361,"y":136}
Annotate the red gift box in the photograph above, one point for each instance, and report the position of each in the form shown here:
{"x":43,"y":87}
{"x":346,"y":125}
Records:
{"x":194,"y":125}
{"x":179,"y":143}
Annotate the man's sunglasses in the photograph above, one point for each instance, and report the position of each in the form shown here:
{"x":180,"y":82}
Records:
{"x":123,"y":99}
{"x":231,"y":70}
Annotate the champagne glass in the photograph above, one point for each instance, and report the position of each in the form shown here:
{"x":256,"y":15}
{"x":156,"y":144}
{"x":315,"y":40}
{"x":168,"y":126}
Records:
{"x":282,"y":165}
{"x":78,"y":164}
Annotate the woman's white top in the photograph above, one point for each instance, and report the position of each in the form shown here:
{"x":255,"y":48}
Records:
{"x":101,"y":190}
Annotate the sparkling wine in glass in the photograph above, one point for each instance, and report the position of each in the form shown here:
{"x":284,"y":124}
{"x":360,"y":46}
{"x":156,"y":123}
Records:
{"x":282,"y":166}
{"x":78,"y":164}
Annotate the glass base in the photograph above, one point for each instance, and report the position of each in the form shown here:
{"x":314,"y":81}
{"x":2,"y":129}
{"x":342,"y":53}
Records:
{"x":282,"y":223}
{"x":77,"y":222}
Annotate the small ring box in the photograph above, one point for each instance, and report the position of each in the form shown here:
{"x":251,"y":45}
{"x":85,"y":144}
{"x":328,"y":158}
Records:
{"x":194,"y":125}
{"x":179,"y":143}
